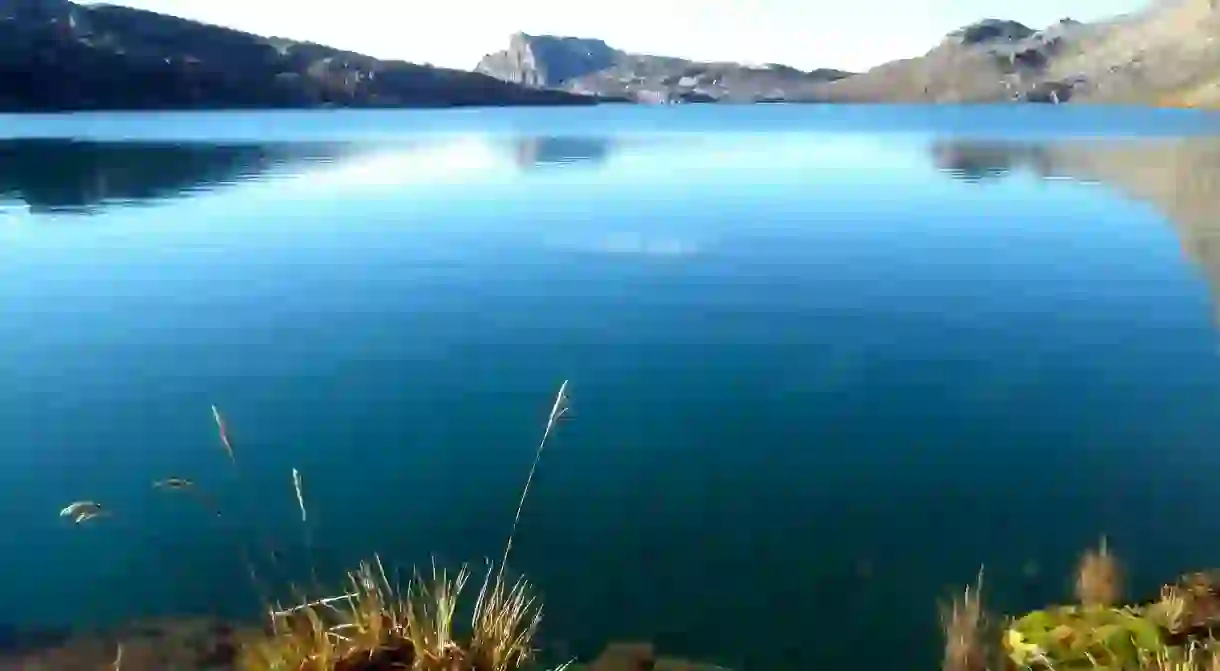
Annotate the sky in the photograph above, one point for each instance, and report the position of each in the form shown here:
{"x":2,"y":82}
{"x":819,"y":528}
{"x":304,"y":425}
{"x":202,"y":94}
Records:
{"x":847,"y":34}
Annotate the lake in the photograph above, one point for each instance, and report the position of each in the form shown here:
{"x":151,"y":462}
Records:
{"x":824,"y":362}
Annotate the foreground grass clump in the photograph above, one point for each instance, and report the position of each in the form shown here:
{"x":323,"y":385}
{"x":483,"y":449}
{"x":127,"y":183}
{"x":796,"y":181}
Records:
{"x":376,"y":626}
{"x":1175,"y":631}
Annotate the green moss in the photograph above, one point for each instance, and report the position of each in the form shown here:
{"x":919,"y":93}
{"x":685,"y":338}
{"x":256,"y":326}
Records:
{"x":1076,"y":637}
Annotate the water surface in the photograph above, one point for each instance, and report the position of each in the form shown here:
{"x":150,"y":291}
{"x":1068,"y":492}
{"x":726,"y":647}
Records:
{"x":825,"y":362}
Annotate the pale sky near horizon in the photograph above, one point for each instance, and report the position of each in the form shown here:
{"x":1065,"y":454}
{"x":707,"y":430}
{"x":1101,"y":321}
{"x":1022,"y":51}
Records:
{"x":847,"y":34}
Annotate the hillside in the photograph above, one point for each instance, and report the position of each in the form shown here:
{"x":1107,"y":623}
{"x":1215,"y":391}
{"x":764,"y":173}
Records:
{"x":990,"y":61}
{"x":1166,"y":54}
{"x":58,"y":55}
{"x":590,"y":66}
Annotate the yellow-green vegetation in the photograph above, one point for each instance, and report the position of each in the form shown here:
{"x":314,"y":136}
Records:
{"x":1083,"y":637}
{"x":1173,"y":632}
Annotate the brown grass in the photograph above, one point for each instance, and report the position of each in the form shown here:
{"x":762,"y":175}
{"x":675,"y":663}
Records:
{"x":375,"y":626}
{"x":1194,"y":657}
{"x":965,"y":630}
{"x":1169,"y":611}
{"x":1099,"y":578}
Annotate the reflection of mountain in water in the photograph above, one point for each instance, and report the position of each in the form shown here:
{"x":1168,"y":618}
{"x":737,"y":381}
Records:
{"x":65,"y":175}
{"x":983,"y":160}
{"x":1181,"y":177}
{"x":533,"y":152}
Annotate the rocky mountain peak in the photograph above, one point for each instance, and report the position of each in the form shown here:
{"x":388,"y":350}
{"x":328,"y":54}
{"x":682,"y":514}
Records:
{"x":990,"y":30}
{"x":547,"y":61}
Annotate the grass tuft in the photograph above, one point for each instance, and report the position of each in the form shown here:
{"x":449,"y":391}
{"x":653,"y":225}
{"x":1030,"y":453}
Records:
{"x":506,"y":618}
{"x":375,"y":626}
{"x":965,"y":630}
{"x":1099,"y":578}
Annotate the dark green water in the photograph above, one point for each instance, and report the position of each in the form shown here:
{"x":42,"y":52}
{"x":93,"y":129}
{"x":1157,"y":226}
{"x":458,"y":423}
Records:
{"x":824,"y":363}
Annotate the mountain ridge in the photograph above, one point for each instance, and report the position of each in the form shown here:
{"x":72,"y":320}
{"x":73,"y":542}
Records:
{"x":1166,"y":54}
{"x":57,"y":55}
{"x":592,"y":67}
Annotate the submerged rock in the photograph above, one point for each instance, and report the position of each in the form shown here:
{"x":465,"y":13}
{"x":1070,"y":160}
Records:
{"x":180,"y":644}
{"x":626,"y":656}
{"x":16,"y":639}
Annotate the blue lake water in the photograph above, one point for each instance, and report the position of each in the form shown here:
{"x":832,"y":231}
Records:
{"x":824,"y":362}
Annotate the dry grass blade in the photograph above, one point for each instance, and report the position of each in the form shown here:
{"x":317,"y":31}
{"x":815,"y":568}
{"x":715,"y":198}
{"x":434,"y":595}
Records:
{"x":222,"y":431}
{"x":430,"y":606}
{"x":1211,"y":657}
{"x":301,"y":642}
{"x":1170,"y":609}
{"x":306,"y":531}
{"x":558,"y":410}
{"x":1192,"y":657}
{"x":368,"y":623}
{"x":506,"y":618}
{"x":296,"y":486}
{"x":964,"y":629}
{"x":374,"y":615}
{"x":1099,"y":578}
{"x":375,"y":627}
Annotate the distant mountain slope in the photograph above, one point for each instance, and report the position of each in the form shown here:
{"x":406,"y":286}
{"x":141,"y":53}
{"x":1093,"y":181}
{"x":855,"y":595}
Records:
{"x":1166,"y":54}
{"x":591,"y":66}
{"x":989,"y":61}
{"x":58,"y":55}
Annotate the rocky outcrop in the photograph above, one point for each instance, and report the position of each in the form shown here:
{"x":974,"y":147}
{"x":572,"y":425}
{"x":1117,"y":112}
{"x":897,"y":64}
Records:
{"x":591,"y":67}
{"x":546,"y":61}
{"x":57,"y":55}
